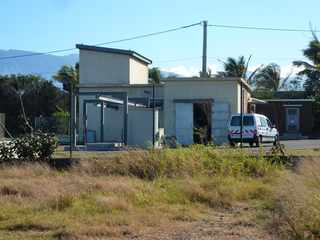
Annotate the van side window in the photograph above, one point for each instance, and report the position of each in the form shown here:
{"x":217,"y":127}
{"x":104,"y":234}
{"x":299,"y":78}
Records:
{"x":269,"y":123}
{"x":248,"y":121}
{"x":263,"y":122}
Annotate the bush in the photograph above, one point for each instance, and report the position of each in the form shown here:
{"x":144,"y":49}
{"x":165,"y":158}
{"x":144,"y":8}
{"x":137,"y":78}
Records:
{"x":36,"y":147}
{"x":7,"y":151}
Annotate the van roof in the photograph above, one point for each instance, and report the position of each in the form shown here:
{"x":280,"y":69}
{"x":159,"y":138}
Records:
{"x":249,"y":114}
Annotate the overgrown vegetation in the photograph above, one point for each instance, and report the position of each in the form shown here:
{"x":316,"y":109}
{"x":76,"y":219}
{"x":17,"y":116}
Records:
{"x":297,"y":202}
{"x":125,"y":195}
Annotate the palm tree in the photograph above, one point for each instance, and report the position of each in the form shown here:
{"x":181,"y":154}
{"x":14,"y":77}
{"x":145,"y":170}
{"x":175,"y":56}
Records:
{"x":311,"y":70}
{"x":68,"y":76}
{"x":237,"y":68}
{"x":269,"y":78}
{"x":154,"y":74}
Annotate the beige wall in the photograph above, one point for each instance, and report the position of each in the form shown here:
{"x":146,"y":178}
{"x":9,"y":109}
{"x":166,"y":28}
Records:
{"x":246,"y":98}
{"x":220,"y":90}
{"x":138,"y":72}
{"x":2,"y":123}
{"x":103,"y":68}
{"x":111,"y":68}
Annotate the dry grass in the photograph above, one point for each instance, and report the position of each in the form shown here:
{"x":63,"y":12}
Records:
{"x":297,"y":202}
{"x":120,"y":195}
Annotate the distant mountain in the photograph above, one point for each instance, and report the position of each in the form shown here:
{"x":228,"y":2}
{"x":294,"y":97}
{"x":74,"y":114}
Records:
{"x":44,"y":65}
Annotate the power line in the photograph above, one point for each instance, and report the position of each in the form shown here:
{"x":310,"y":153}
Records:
{"x":105,"y":43}
{"x":261,"y":28}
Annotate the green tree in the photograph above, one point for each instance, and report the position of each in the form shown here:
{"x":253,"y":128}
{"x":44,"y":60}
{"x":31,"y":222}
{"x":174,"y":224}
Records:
{"x":24,"y":97}
{"x":311,"y":69}
{"x":238,"y":68}
{"x":269,"y":78}
{"x":68,"y":76}
{"x":154,"y":74}
{"x":235,"y":67}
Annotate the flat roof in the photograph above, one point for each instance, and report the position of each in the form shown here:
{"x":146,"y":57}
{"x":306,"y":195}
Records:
{"x":116,"y":51}
{"x":289,"y":100}
{"x":220,"y":79}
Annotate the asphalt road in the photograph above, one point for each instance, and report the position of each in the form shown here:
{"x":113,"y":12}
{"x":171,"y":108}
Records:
{"x":296,"y":144}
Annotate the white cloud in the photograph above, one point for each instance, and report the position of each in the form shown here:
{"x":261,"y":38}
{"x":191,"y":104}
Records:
{"x":188,"y":71}
{"x":182,"y":70}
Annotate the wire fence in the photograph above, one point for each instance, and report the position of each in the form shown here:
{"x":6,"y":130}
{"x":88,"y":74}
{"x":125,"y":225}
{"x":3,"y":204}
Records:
{"x":60,"y":126}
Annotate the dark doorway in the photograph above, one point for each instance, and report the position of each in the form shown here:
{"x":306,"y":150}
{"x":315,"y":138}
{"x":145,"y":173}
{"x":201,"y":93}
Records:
{"x":202,"y":122}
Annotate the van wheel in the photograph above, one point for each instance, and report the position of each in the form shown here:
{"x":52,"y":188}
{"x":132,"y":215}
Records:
{"x":259,"y":141}
{"x":232,"y":144}
{"x":251,"y":144}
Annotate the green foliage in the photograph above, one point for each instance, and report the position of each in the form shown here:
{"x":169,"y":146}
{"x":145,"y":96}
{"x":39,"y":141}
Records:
{"x":269,"y":78}
{"x":7,"y":151}
{"x":40,"y":98}
{"x":311,"y":71}
{"x":37,"y":147}
{"x":154,"y":74}
{"x":192,"y":161}
{"x":68,"y":76}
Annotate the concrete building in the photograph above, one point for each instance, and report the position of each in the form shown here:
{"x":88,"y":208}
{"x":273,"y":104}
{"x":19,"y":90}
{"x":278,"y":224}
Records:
{"x":118,"y":103}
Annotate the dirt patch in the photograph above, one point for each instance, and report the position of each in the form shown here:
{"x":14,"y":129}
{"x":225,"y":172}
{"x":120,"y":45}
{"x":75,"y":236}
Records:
{"x":232,"y":224}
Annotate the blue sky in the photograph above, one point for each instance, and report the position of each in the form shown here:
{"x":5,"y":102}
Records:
{"x":42,"y":25}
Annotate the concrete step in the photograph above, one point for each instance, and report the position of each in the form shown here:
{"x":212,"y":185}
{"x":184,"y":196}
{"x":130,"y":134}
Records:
{"x":98,"y":147}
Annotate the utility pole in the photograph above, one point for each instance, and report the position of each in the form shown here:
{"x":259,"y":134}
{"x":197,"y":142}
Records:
{"x":153,"y":112}
{"x":241,"y":113}
{"x":204,"y":50}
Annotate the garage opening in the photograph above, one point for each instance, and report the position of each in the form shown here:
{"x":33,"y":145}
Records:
{"x":202,"y":122}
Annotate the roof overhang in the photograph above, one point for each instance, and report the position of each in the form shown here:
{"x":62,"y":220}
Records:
{"x":130,"y":53}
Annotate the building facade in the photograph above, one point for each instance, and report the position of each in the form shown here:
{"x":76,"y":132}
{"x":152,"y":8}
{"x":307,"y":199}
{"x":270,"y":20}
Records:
{"x":292,"y":117}
{"x":119,"y":104}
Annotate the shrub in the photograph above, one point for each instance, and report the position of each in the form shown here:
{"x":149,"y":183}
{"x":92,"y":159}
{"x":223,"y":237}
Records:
{"x":7,"y":151}
{"x":36,"y":147}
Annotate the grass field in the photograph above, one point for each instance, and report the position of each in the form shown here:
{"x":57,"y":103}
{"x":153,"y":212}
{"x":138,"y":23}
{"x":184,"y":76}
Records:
{"x":199,"y":191}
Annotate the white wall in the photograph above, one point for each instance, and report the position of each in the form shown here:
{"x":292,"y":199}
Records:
{"x":138,"y":72}
{"x":140,"y":127}
{"x":103,"y":68}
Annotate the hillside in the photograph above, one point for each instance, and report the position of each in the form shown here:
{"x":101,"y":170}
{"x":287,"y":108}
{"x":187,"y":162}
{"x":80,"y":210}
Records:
{"x":44,"y":65}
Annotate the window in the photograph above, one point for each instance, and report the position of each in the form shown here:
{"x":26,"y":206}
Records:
{"x":263,"y":122}
{"x":269,"y":123}
{"x":235,"y":121}
{"x":247,"y":121}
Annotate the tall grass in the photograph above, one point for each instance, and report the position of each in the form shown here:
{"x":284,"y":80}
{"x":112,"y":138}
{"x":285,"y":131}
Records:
{"x":297,"y":202}
{"x":115,"y":194}
{"x":172,"y":163}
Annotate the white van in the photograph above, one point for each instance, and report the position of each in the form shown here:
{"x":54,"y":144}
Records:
{"x":256,"y":129}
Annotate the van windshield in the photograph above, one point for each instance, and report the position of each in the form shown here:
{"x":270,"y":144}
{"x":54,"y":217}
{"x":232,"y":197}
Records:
{"x":247,"y":121}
